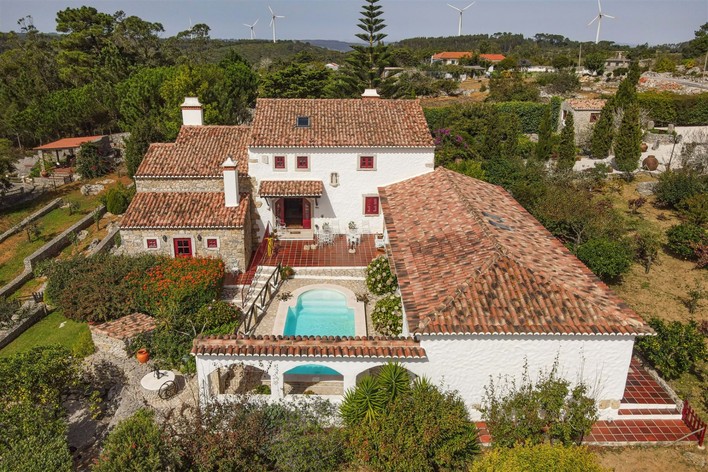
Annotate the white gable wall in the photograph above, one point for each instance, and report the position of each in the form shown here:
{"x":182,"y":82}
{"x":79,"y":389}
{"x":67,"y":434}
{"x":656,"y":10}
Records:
{"x":344,"y":202}
{"x":466,"y":363}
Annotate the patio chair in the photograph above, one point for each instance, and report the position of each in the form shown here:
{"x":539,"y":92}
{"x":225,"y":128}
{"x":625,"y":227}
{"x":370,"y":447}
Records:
{"x":326,"y":237}
{"x":379,"y":241}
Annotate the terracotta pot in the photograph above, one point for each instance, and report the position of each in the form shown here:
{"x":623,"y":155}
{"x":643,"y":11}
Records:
{"x":650,"y":163}
{"x":142,"y":355}
{"x":644,"y":147}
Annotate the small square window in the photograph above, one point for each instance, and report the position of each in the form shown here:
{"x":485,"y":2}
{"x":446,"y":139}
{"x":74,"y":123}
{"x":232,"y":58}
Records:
{"x":151,"y":243}
{"x":303,"y":162}
{"x":303,"y":121}
{"x":366,"y":162}
{"x":212,"y":243}
{"x":371,"y":206}
{"x":279,"y":162}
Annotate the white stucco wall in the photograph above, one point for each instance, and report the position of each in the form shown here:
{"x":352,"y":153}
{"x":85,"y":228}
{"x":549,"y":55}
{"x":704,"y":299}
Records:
{"x":467,"y":363}
{"x":345,"y":201}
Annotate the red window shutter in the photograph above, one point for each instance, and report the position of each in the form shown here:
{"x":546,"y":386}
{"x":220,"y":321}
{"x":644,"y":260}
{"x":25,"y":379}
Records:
{"x":212,"y":243}
{"x":371,"y":206}
{"x":279,"y":162}
{"x":302,"y":162}
{"x":366,"y":162}
{"x":152,"y":243}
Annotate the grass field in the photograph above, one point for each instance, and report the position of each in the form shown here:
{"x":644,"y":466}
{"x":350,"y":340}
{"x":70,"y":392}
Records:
{"x":54,"y":329}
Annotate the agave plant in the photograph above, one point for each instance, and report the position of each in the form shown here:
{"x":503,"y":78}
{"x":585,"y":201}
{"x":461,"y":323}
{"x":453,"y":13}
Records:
{"x":394,"y":380}
{"x":364,"y":402}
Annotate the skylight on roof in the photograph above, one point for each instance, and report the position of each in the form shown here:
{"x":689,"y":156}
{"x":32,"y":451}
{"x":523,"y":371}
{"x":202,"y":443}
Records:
{"x":303,"y":122}
{"x":500,"y":225}
{"x":492,"y":216}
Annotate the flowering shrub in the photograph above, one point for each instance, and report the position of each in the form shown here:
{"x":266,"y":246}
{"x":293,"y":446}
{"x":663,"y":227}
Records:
{"x":174,"y":287}
{"x":388,"y":316}
{"x":379,"y":278}
{"x":449,"y":147}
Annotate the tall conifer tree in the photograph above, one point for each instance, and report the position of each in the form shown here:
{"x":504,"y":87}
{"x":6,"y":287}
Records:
{"x":603,"y":132}
{"x":566,"y":151}
{"x":544,"y":146}
{"x":628,"y":141}
{"x":367,"y":61}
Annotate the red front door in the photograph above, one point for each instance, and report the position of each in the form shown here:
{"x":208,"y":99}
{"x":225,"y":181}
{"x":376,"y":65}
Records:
{"x":183,"y":247}
{"x":306,"y":214}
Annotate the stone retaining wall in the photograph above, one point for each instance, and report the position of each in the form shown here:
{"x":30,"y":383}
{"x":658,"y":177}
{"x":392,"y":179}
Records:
{"x":106,"y":243}
{"x":48,"y":250}
{"x":56,"y":203}
{"x":38,"y":312}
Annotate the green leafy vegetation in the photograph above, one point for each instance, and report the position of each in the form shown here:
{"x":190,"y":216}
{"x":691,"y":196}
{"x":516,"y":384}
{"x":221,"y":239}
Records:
{"x":380,"y":280}
{"x":607,"y":259}
{"x":55,"y":329}
{"x":91,"y":161}
{"x":566,"y":148}
{"x":538,"y":458}
{"x":118,"y":198}
{"x":675,"y":349}
{"x":387,"y":316}
{"x":536,"y":411}
{"x":684,"y":238}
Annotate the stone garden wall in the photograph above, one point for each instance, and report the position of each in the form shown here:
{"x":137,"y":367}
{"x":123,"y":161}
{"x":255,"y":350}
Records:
{"x":56,"y":203}
{"x":37,"y":312}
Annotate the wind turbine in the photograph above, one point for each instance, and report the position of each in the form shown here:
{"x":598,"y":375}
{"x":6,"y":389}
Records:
{"x":253,"y":31}
{"x":459,"y":23}
{"x":273,"y":17}
{"x":599,"y":18}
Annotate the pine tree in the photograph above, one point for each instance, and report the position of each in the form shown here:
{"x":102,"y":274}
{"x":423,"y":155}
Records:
{"x":627,"y":91}
{"x":544,"y":147}
{"x":566,"y":151}
{"x":603,"y":132}
{"x":367,"y":62}
{"x":628,"y":141}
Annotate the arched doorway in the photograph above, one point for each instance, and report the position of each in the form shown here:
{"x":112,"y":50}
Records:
{"x":313,"y":379}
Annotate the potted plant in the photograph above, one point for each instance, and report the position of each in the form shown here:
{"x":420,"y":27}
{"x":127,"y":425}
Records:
{"x":352,"y":226}
{"x":286,"y":272}
{"x":142,"y":355}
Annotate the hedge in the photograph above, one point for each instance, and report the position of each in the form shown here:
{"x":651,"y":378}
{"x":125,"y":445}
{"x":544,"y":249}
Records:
{"x":530,"y":113}
{"x":681,"y":110}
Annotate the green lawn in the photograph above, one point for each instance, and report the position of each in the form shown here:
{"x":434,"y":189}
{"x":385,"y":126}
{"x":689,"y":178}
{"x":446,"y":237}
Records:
{"x":72,"y":335}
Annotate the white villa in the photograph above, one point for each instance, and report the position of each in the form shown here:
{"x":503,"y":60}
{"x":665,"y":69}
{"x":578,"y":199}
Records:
{"x":485,"y":287}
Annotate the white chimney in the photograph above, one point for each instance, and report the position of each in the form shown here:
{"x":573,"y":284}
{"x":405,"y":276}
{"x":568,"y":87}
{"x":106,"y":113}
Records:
{"x":192,"y":112}
{"x":231,"y":196}
{"x":370,"y":94}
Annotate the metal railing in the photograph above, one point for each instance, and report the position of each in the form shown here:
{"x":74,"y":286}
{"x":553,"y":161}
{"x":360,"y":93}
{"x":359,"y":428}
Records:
{"x":261,"y":301}
{"x":694,"y":422}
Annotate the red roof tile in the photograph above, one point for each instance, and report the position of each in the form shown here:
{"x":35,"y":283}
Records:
{"x":198,"y":152}
{"x":183,"y":210}
{"x":452,"y":55}
{"x":472,"y":260}
{"x":586,"y":104}
{"x":493,"y":57}
{"x":69,"y":143}
{"x":340,"y":123}
{"x":291,"y":188}
{"x":308,"y":346}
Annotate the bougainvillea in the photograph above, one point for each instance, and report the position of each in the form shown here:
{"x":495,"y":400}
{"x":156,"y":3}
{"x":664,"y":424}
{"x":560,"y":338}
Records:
{"x":379,"y":278}
{"x":387,"y":316}
{"x":178,"y":286}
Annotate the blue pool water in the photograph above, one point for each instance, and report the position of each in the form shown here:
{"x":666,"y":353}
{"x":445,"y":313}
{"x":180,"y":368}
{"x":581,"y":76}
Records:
{"x":320,"y":312}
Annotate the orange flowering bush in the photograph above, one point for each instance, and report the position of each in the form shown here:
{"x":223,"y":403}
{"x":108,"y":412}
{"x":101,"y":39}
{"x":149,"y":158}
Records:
{"x":175,"y":287}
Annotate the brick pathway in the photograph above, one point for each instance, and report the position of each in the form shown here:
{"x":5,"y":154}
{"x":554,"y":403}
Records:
{"x":638,"y":431}
{"x":642,"y":388}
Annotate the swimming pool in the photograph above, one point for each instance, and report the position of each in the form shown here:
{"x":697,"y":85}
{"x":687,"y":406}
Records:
{"x":320,"y":312}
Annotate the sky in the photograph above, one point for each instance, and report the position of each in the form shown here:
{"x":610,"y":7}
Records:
{"x":637,"y":21}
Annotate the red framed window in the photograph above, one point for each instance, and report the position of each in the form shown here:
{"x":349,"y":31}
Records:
{"x":303,"y":162}
{"x":151,"y":243}
{"x":366,"y":162}
{"x":279,"y":162}
{"x":212,"y":243}
{"x":183,"y":247}
{"x":371,"y":205}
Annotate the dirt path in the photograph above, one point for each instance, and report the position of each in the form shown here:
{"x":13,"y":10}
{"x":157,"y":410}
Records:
{"x":654,"y":459}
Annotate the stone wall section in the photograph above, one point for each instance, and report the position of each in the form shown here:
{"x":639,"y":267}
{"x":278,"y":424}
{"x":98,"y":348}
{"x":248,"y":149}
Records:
{"x":232,"y":243}
{"x":189,"y":185}
{"x":38,"y":312}
{"x":56,"y":203}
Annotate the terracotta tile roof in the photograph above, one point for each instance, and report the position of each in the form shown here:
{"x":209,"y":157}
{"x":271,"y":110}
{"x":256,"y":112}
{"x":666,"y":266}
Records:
{"x":493,"y":57}
{"x":198,"y":152}
{"x":308,"y":346}
{"x":183,"y":210}
{"x":291,"y":188}
{"x":587,"y":104}
{"x":126,"y":327}
{"x":470,"y":259}
{"x":68,"y":143}
{"x":451,"y":55}
{"x":340,"y":123}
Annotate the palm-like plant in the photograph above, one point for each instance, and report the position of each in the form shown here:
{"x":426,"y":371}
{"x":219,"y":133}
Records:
{"x":364,"y":402}
{"x":394,"y":381}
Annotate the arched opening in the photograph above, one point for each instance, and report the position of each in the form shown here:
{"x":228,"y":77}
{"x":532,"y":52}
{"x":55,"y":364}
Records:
{"x":375,"y":370}
{"x":241,"y":378}
{"x":313,"y":379}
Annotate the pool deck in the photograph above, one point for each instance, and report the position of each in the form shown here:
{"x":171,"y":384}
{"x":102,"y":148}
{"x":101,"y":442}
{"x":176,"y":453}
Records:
{"x":351,"y":279}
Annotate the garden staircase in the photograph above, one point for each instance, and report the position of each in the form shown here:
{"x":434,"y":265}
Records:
{"x":257,"y":297}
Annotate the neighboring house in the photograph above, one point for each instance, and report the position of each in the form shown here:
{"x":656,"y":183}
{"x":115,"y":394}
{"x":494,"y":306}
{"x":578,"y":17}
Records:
{"x":486,"y":291}
{"x":617,"y":62}
{"x":586,"y":112}
{"x":301,"y":163}
{"x":67,"y":148}
{"x":450,"y":58}
{"x":539,"y":69}
{"x":493,"y":58}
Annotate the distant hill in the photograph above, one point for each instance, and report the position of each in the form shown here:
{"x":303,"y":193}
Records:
{"x":256,"y":50}
{"x":330,"y":44}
